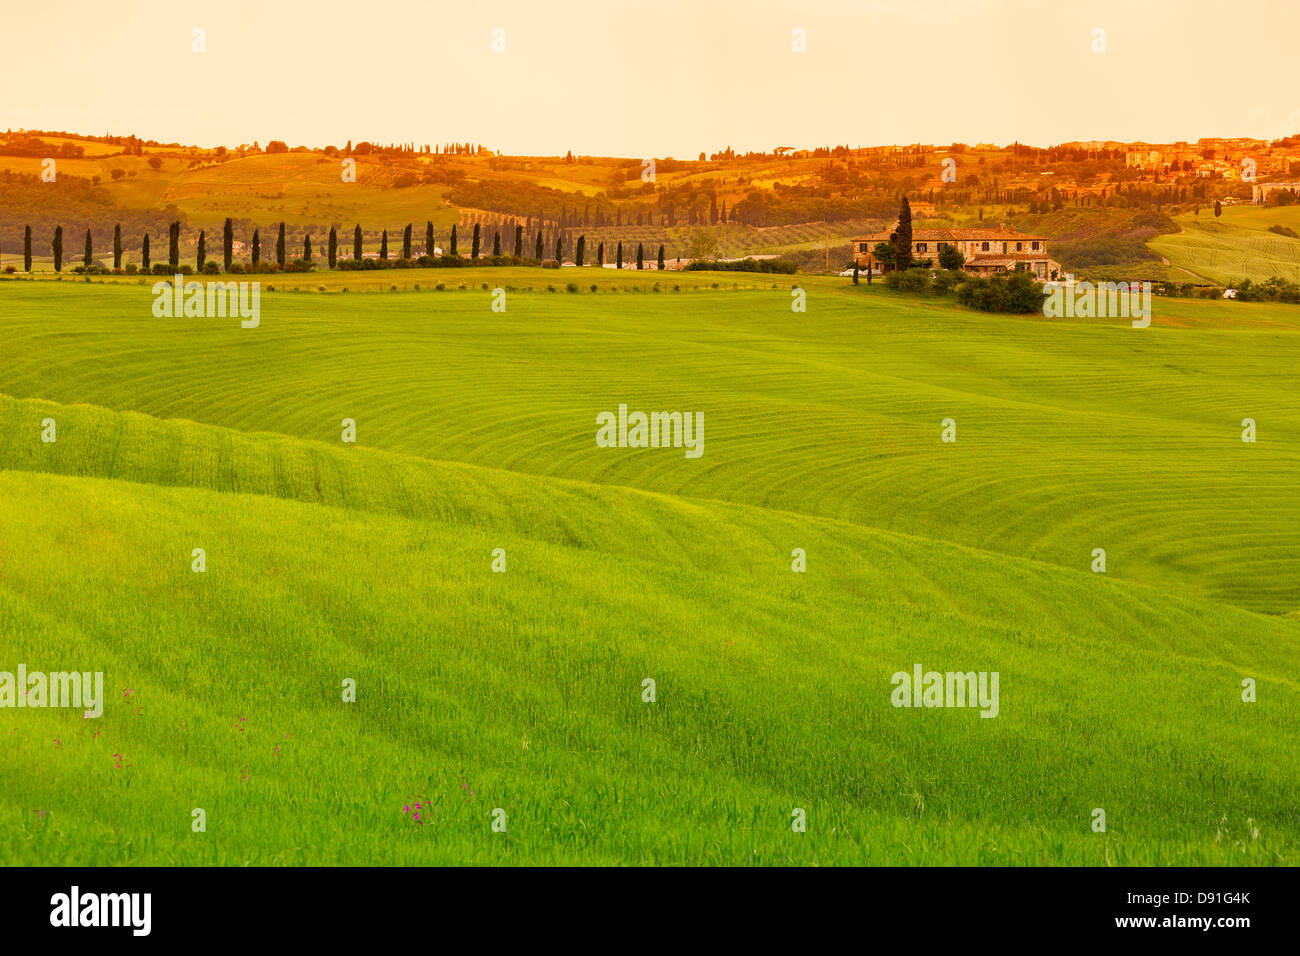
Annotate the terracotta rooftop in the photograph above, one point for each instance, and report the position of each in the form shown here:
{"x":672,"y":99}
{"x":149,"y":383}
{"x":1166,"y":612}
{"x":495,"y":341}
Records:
{"x":994,"y":234}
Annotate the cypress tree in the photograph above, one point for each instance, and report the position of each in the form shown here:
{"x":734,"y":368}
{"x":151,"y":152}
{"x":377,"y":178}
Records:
{"x":383,"y":246}
{"x":661,"y":258}
{"x":496,"y":244}
{"x":257,"y":248}
{"x":453,"y":240}
{"x":279,"y":247}
{"x":559,"y":248}
{"x":227,"y":244}
{"x":406,"y":242}
{"x":174,"y":245}
{"x":539,"y":245}
{"x":903,"y":237}
{"x":144,"y":253}
{"x":27,"y":249}
{"x":640,"y":259}
{"x":306,"y":247}
{"x":89,"y":254}
{"x":581,"y":251}
{"x":428,"y":239}
{"x":334,"y":247}
{"x":619,"y":264}
{"x":356,"y":243}
{"x":475,"y":247}
{"x":57,"y":247}
{"x":201,"y":253}
{"x":117,"y":246}
{"x":600,"y":255}
{"x":519,"y":242}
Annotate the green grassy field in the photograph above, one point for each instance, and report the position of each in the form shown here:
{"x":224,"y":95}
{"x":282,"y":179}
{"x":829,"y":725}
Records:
{"x":1235,"y":246}
{"x":523,"y":690}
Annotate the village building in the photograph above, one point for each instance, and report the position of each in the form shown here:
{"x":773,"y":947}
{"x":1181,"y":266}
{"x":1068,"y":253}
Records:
{"x":1260,"y":191}
{"x":987,"y":251}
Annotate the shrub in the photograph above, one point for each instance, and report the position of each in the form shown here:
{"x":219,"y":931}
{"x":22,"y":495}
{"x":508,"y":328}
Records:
{"x":571,"y":287}
{"x":945,"y":280}
{"x":1016,"y":293}
{"x":777,"y":266}
{"x":908,"y":280}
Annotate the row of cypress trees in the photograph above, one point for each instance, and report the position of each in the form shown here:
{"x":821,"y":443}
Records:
{"x":228,"y":241}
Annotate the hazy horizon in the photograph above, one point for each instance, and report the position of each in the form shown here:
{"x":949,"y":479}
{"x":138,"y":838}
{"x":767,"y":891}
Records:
{"x":668,"y":78}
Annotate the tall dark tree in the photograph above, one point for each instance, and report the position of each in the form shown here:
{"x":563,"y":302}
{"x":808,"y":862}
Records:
{"x":356,"y":243}
{"x":519,"y":242}
{"x":144,"y":253}
{"x":257,"y":248}
{"x":496,"y":244}
{"x":383,"y":246}
{"x":27,"y":249}
{"x":306,"y":247}
{"x":640,"y":257}
{"x":334,"y":247}
{"x":452,"y":244}
{"x":539,"y":246}
{"x":559,"y":248}
{"x":227,"y":245}
{"x":90,"y":255}
{"x":201,"y":252}
{"x":57,"y":248}
{"x":117,"y":246}
{"x":428,"y":238}
{"x":661,"y":258}
{"x":580,"y":252}
{"x":619,"y":263}
{"x":279,"y":247}
{"x":174,"y":245}
{"x":600,"y":255}
{"x":477,"y":239}
{"x":902,"y":237}
{"x":406,"y":242}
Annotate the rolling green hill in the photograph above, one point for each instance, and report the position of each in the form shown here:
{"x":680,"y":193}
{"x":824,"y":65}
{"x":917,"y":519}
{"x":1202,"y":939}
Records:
{"x":523,"y":690}
{"x":1236,"y":246}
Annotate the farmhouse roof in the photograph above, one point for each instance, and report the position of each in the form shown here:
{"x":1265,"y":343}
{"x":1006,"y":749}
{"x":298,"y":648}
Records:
{"x":957,"y":235}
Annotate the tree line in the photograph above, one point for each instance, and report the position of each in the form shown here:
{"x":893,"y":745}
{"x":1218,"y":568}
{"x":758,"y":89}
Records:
{"x":334,"y":254}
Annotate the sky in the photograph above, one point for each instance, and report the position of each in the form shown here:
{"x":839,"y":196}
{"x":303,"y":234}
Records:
{"x":666,"y":78}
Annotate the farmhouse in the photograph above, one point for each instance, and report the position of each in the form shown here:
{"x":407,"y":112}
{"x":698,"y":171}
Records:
{"x":986,"y":250}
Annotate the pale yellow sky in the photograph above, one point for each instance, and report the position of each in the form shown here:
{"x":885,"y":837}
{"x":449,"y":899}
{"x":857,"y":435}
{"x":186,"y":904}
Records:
{"x":639,"y":78}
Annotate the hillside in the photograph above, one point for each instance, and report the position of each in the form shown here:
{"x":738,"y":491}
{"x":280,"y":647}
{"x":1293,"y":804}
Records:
{"x":523,"y":690}
{"x":1071,"y":436}
{"x":1238,"y":245}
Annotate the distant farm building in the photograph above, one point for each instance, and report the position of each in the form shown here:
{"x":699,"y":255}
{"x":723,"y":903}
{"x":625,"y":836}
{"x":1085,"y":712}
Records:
{"x":1259,"y":193}
{"x":987,"y":250}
